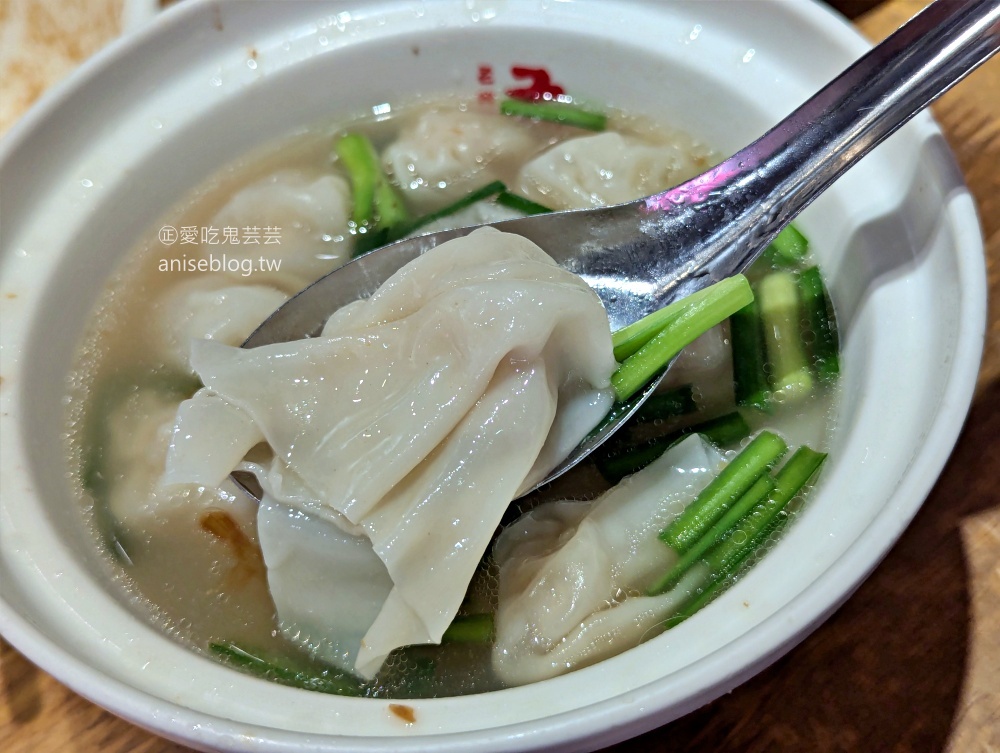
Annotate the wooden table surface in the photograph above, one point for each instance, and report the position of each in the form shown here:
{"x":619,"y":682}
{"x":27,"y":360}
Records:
{"x":910,"y":663}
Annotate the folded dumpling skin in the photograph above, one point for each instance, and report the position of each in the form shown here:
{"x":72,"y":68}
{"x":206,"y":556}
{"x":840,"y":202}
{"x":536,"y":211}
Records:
{"x":210,"y":307}
{"x":603,"y":169}
{"x":297,"y":220}
{"x":126,"y":472}
{"x":416,"y":416}
{"x":444,"y":154}
{"x":572,"y":573}
{"x":321,"y":576}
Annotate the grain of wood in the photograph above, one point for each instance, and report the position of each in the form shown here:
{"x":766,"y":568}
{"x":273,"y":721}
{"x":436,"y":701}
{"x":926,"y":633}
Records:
{"x":977,"y":723}
{"x":970,"y":119}
{"x":41,"y":41}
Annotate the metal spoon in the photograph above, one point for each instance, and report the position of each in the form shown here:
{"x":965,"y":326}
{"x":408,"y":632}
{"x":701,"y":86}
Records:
{"x":645,"y":254}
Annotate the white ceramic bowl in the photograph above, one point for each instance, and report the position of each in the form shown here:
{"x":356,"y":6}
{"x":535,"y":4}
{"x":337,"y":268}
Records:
{"x":93,"y":165}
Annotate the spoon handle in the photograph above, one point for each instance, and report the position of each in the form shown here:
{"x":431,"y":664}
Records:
{"x":736,"y":209}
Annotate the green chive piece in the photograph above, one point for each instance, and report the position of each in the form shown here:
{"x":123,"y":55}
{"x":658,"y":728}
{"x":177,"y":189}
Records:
{"x":521,"y":204}
{"x":749,"y":378}
{"x":379,"y":211}
{"x":788,"y":248}
{"x":670,"y":404}
{"x":722,"y":431}
{"x":761,"y":488}
{"x":699,"y":314}
{"x":778,"y":295}
{"x":255,"y":662}
{"x":472,"y":628}
{"x":725,"y":560}
{"x":563,"y":113}
{"x":480,"y":194}
{"x":825,"y":345}
{"x":724,"y":490}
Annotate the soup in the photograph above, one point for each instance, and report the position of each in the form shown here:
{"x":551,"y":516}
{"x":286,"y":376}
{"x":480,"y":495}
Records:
{"x":191,"y":557}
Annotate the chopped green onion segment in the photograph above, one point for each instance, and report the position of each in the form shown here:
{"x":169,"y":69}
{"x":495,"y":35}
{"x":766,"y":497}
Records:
{"x":723,"y":491}
{"x":628,"y":340}
{"x":825,"y":343}
{"x":751,"y":498}
{"x":725,"y":559}
{"x":788,"y":248}
{"x":749,"y":378}
{"x":664,"y":405}
{"x":778,"y":296}
{"x":697,"y":314}
{"x":563,"y":113}
{"x":521,"y":204}
{"x":255,"y":662}
{"x":724,"y":430}
{"x":362,"y":165}
{"x":473,"y":628}
{"x":480,"y":194}
{"x":756,"y":528}
{"x":379,"y":212}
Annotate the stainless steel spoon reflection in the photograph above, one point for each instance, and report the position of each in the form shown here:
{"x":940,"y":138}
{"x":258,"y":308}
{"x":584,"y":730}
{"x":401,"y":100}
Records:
{"x":643,"y":255}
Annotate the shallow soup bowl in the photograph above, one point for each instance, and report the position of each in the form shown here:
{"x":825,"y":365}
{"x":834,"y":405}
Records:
{"x":89,"y":171}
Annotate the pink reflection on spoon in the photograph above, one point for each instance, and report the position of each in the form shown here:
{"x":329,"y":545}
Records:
{"x":697,"y":189}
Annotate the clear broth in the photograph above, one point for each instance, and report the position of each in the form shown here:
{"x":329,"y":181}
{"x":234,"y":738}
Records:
{"x":194,"y":567}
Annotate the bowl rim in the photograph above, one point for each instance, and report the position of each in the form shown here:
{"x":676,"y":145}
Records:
{"x":597,"y":725}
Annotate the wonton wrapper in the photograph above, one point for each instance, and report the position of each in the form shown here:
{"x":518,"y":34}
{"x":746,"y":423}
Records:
{"x":139,"y":431}
{"x":210,"y":307}
{"x":413,"y":420}
{"x":566,"y":567}
{"x":445,"y":154}
{"x":308,"y":216}
{"x":603,"y":169}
